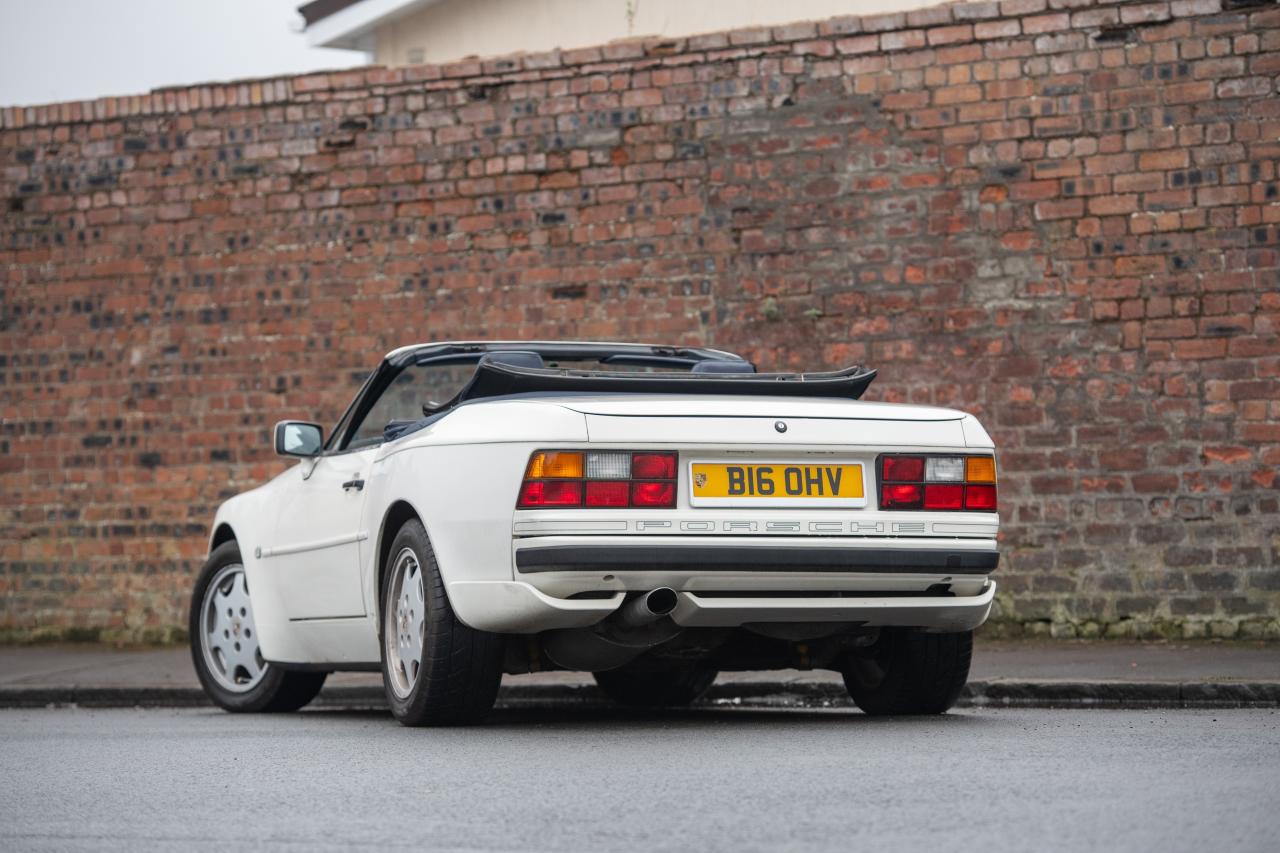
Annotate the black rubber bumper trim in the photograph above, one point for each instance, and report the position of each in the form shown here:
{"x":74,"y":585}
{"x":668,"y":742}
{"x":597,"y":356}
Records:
{"x":684,"y":558}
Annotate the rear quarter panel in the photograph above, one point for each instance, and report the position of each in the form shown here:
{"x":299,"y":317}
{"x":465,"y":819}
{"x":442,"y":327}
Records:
{"x":462,"y":476}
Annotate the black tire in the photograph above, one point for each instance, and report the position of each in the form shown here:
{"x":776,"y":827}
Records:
{"x":909,"y":671}
{"x":457,"y":680}
{"x":655,"y":683}
{"x":279,"y":690}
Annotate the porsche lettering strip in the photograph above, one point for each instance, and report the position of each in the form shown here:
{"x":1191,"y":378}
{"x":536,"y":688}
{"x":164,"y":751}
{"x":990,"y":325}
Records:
{"x":719,"y":558}
{"x":758,"y":526}
{"x":545,"y":527}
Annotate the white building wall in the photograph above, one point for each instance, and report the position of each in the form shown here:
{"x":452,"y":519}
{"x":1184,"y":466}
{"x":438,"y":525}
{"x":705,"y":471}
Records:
{"x":454,"y":29}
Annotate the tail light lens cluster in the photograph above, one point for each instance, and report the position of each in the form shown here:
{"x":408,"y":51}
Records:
{"x":965,"y":483}
{"x":566,"y":479}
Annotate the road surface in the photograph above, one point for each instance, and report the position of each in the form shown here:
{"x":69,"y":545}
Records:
{"x":572,"y":779}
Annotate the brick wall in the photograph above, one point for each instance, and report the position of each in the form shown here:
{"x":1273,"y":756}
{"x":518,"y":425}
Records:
{"x":1059,"y":215}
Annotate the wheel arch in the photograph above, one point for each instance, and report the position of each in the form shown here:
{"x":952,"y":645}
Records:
{"x":221,"y":533}
{"x":399,"y":512}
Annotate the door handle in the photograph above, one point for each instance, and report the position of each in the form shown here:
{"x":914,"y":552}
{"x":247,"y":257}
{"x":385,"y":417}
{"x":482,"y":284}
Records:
{"x":353,"y":484}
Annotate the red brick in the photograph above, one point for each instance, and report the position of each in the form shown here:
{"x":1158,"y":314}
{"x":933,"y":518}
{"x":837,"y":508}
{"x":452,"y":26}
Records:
{"x":957,"y":94}
{"x":1063,"y":209}
{"x":1112,"y":205}
{"x":1245,"y":87}
{"x":1200,"y":348}
{"x":884,"y":23}
{"x":1197,"y":92}
{"x":1046,"y":23}
{"x":1183,"y":8}
{"x":929,"y":16}
{"x":997,"y":29}
{"x":975,"y":11}
{"x":1179,"y":328}
{"x":950,"y":35}
{"x":1236,"y":194}
{"x":902,"y":40}
{"x":312,"y":83}
{"x":859,"y":44}
{"x":1144,"y":13}
{"x":1034,"y":190}
{"x":1022,"y":7}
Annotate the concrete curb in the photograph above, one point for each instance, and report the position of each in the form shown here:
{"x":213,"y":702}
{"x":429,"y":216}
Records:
{"x":759,"y":694}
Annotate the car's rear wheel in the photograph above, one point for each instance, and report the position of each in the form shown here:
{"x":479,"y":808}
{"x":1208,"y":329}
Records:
{"x":909,"y":671}
{"x":656,"y":684}
{"x":224,"y":644}
{"x":436,"y":670}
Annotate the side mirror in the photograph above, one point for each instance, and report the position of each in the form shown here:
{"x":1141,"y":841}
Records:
{"x":299,"y":438}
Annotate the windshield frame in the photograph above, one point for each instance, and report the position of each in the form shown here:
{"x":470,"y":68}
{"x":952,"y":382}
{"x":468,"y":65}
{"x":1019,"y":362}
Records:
{"x":640,"y":355}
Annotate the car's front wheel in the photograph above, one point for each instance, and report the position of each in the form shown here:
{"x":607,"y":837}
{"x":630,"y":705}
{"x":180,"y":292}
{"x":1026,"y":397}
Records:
{"x":656,"y":684}
{"x":909,"y":671}
{"x":224,"y":644}
{"x":436,"y":670}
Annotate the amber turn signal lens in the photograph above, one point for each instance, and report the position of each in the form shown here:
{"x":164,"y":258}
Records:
{"x":980,"y":469}
{"x":554,"y":464}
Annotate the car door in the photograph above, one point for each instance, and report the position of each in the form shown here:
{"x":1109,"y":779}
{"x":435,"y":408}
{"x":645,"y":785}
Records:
{"x":316,"y":550}
{"x":318,"y":532}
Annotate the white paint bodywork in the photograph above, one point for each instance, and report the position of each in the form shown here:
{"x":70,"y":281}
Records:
{"x":311,"y":548}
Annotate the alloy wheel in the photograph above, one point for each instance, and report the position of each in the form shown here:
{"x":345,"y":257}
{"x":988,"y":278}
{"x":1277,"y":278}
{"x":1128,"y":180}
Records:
{"x":229,"y":640}
{"x":405,"y":622}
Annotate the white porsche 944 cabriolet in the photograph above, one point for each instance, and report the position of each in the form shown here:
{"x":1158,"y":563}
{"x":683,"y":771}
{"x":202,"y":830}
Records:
{"x":651,"y":514}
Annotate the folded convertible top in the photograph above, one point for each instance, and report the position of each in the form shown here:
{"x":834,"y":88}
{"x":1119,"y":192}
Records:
{"x":494,"y":379}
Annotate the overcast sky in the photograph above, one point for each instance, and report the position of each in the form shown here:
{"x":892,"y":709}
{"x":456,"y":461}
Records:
{"x":68,"y":50}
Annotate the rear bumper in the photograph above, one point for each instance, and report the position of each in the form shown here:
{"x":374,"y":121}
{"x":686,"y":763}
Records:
{"x":574,"y":581}
{"x":517,"y":608}
{"x":718,"y":557}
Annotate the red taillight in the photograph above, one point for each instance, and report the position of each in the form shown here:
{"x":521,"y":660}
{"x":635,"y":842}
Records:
{"x":903,"y":469}
{"x":599,"y":479}
{"x":980,"y":497}
{"x":608,"y":493}
{"x":899,"y":496}
{"x":545,"y":493}
{"x":943,"y":497}
{"x":653,"y":466}
{"x":938,"y":482}
{"x":653,"y":494}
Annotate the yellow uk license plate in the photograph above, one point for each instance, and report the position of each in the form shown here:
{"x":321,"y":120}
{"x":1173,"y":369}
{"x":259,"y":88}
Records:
{"x":775,"y":484}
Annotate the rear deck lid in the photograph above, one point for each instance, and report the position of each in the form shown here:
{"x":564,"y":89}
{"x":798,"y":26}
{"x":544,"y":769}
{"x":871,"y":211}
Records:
{"x":758,"y":421}
{"x":691,"y":406}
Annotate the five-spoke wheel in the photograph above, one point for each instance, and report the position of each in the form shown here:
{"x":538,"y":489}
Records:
{"x":228,"y":638}
{"x":225,"y":647}
{"x":437,"y":670}
{"x":405,"y":626}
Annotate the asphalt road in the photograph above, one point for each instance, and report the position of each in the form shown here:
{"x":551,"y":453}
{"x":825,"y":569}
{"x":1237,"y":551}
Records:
{"x":714,"y":779}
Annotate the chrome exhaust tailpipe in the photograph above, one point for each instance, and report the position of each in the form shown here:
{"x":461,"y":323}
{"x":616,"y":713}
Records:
{"x":646,"y":609}
{"x":633,"y":628}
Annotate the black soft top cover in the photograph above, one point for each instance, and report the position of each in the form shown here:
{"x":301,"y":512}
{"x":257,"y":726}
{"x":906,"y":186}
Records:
{"x":519,"y":368}
{"x":495,"y":378}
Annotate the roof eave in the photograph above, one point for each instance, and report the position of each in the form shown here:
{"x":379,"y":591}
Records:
{"x":355,"y":27}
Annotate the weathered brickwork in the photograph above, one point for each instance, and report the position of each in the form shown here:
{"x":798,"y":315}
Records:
{"x":1060,"y":215}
